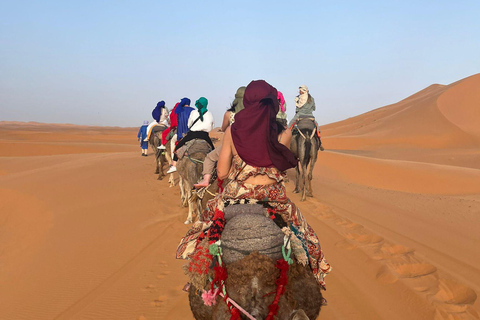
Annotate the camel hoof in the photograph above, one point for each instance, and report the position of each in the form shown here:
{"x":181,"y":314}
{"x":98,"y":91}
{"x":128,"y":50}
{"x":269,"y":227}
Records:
{"x":296,"y":191}
{"x":299,"y":315}
{"x":157,"y":172}
{"x":187,"y":221}
{"x":310,"y":195}
{"x":303,"y":199}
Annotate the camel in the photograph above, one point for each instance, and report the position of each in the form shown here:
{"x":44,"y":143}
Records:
{"x":251,"y":243}
{"x":305,"y":145}
{"x":189,"y":168}
{"x":154,"y":141}
{"x":162,"y":157}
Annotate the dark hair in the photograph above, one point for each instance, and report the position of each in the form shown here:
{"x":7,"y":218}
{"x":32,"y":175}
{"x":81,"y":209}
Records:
{"x":232,"y":108}
{"x":280,"y":127}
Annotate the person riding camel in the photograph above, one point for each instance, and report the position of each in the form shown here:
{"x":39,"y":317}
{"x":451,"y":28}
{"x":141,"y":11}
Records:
{"x":200,"y":123}
{"x":182,"y":111}
{"x":172,"y":127}
{"x":212,"y":157}
{"x":254,"y":158}
{"x":160,"y":115}
{"x":304,"y":107}
{"x":237,"y":106}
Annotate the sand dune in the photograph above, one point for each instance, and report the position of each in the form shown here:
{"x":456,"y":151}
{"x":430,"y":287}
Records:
{"x":87,"y":232}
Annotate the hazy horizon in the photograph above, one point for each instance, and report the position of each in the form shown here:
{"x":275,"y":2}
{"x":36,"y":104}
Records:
{"x":109,"y":63}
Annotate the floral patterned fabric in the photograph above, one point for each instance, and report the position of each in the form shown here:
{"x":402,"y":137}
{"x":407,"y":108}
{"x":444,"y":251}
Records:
{"x":276,"y":197}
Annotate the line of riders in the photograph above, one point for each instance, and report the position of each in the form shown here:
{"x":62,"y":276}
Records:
{"x":250,"y":166}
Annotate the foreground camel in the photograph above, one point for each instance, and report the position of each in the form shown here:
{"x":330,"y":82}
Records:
{"x":251,"y":243}
{"x":189,"y":168}
{"x":305,"y":145}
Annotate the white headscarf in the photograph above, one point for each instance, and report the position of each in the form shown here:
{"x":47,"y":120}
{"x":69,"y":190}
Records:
{"x":302,"y":98}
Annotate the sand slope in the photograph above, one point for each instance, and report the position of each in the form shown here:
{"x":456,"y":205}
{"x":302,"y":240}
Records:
{"x":87,"y":232}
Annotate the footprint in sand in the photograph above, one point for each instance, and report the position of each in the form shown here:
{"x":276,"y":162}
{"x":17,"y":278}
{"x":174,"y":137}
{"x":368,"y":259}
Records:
{"x":345,"y":244}
{"x":411,"y":270}
{"x":162,"y":274}
{"x":385,"y":276}
{"x":453,"y":297}
{"x":389,"y":251}
{"x":159,"y":301}
{"x":364,"y":239}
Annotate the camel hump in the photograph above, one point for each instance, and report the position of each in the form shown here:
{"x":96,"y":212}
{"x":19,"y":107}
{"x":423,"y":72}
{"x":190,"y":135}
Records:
{"x":306,"y":123}
{"x":249,"y":230}
{"x":194,"y":146}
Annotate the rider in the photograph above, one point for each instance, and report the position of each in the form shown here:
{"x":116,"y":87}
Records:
{"x":254,"y":158}
{"x":212,"y":157}
{"x":160,"y":115}
{"x":237,"y":106}
{"x":305,"y":105}
{"x":200,"y":123}
{"x":173,"y":127}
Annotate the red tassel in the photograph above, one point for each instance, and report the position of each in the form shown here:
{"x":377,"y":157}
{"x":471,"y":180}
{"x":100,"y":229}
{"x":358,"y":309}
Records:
{"x":235,"y":314}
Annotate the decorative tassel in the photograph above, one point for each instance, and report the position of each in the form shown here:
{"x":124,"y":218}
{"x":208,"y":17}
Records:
{"x":209,"y":297}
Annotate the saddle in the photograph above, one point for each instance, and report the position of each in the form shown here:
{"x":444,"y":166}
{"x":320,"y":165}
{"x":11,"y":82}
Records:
{"x":248,"y":229}
{"x":306,"y":123}
{"x":193,"y":146}
{"x":158,"y":128}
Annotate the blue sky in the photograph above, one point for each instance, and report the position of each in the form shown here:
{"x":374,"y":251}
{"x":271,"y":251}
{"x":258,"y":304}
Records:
{"x":109,"y":62}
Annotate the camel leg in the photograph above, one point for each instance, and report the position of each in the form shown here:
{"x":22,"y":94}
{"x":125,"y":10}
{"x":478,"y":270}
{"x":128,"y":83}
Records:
{"x":297,"y":174}
{"x":157,"y":170}
{"x":183,"y":195}
{"x":171,"y":181}
{"x":303,"y":181}
{"x":309,"y":179}
{"x":313,"y":160}
{"x":191,"y":207}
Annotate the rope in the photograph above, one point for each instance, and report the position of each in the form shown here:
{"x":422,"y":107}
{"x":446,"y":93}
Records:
{"x":195,"y":161}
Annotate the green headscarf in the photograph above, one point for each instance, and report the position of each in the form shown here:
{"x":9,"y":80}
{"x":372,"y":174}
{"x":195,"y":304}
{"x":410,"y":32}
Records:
{"x":201,"y":105}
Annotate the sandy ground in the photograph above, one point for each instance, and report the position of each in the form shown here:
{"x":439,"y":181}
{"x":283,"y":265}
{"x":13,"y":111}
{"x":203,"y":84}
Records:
{"x":87,"y":232}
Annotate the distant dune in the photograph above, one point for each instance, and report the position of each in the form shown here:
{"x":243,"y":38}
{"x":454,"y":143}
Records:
{"x":421,"y":127}
{"x":88,"y":232}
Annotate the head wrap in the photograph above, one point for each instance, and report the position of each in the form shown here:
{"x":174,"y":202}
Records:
{"x":201,"y":105}
{"x":238,"y":102}
{"x":184,"y":102}
{"x":157,"y":112}
{"x":281,"y":99}
{"x":255,"y":131}
{"x":145,"y":123}
{"x":302,"y":98}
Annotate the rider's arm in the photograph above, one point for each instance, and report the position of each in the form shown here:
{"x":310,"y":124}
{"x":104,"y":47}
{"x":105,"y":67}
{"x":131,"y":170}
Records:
{"x":226,"y":155}
{"x":226,"y":121}
{"x":286,"y":137}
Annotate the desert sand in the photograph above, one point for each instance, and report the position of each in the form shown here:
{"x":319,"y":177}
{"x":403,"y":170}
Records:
{"x":88,"y":232}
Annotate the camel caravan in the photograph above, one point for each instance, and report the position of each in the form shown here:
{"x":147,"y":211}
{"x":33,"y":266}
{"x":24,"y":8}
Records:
{"x":250,"y":253}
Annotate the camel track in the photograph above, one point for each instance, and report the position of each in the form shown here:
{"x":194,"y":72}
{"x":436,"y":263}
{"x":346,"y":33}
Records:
{"x":444,"y":294}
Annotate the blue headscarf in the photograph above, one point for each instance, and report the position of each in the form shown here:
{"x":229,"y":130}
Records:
{"x":157,"y":112}
{"x":183,"y":113}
